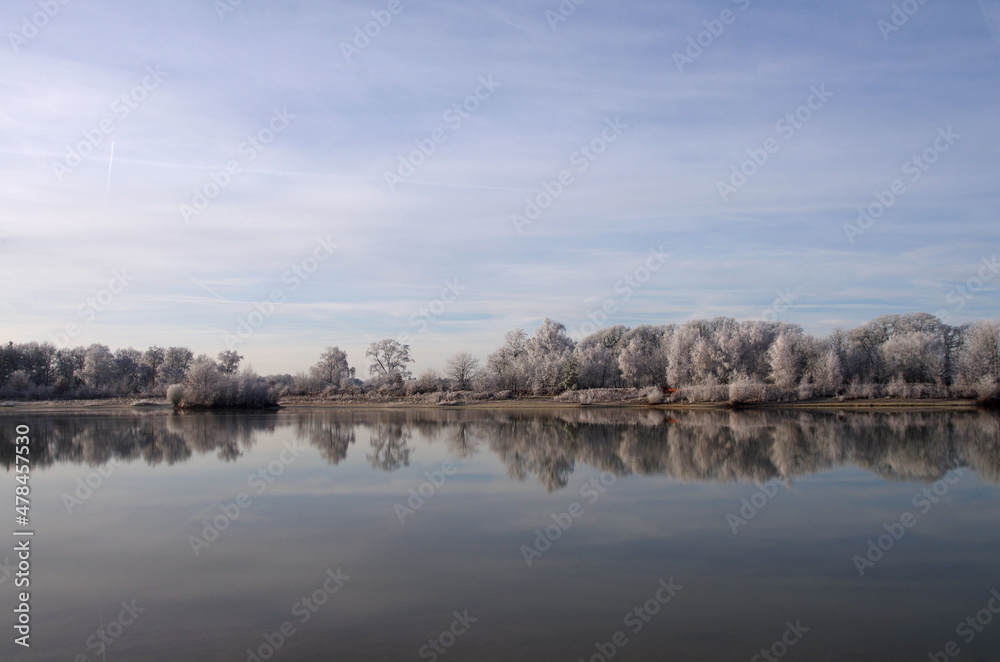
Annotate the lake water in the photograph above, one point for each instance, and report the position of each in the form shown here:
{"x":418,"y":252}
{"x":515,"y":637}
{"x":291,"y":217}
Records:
{"x":453,"y":535}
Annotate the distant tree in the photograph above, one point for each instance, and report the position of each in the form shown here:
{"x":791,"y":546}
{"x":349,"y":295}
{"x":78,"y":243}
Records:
{"x":427,"y":382}
{"x":332,"y":368}
{"x":8,"y":361}
{"x":202,"y":383}
{"x":569,"y":380}
{"x":127,"y":370}
{"x":152,"y":358}
{"x":229,"y":362}
{"x":596,"y":365}
{"x":507,"y":365}
{"x":98,"y":367}
{"x":461,"y":368}
{"x":389,"y":359}
{"x":176,"y":362}
{"x":643,"y":358}
{"x":916,"y":357}
{"x":789,"y":358}
{"x":547,"y":353}
{"x":980,"y":356}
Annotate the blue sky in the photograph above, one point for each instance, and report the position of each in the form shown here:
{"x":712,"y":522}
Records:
{"x":329,"y":125}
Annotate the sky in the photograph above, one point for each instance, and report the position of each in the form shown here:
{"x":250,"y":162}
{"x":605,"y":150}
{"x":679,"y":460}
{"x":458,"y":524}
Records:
{"x":441,"y":172}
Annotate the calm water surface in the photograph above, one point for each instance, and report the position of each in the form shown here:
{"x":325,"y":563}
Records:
{"x":507,"y":535}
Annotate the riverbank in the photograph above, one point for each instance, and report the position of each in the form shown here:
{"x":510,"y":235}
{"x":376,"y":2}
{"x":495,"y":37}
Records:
{"x":527,"y":402}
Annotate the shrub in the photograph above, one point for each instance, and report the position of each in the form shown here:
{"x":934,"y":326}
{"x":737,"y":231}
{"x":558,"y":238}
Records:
{"x":175,"y":394}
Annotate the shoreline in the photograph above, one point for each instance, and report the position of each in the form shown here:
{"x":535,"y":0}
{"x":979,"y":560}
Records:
{"x":523,"y":403}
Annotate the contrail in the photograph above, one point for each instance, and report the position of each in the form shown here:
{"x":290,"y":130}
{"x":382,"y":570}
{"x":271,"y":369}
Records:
{"x":110,"y":163}
{"x":991,"y":10}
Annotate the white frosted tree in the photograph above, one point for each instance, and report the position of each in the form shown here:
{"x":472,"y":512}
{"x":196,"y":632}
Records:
{"x":596,"y":366}
{"x":788,"y":357}
{"x":546,"y":355}
{"x":826,"y":372}
{"x":506,"y":366}
{"x":915,"y":357}
{"x":98,"y":367}
{"x":331,"y":369}
{"x":643,"y":358}
{"x":979,"y":359}
{"x":388,"y":360}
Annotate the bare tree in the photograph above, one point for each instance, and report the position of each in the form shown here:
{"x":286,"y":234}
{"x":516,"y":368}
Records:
{"x":229,"y":362}
{"x":152,"y":359}
{"x":389,"y":359}
{"x":176,"y":362}
{"x":461,"y":367}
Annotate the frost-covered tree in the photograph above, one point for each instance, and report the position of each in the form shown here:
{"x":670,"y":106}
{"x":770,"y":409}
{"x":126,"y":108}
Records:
{"x":915,"y":357}
{"x":789,"y":358}
{"x":176,"y":362}
{"x":596,"y":365}
{"x":546,"y":355}
{"x":979,"y":360}
{"x":643,"y":358}
{"x":389,"y":359}
{"x":506,"y":367}
{"x":332,"y":368}
{"x":98,"y":367}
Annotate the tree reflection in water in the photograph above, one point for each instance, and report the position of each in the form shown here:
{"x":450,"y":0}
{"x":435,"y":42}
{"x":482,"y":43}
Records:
{"x":546,"y":445}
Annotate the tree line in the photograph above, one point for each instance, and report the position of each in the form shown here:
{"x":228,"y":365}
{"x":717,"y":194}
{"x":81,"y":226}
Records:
{"x":912,"y":355}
